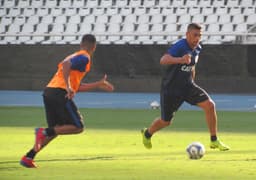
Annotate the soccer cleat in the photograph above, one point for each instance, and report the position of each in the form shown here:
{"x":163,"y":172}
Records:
{"x":146,"y":141}
{"x":219,"y":145}
{"x":40,"y":137}
{"x":27,"y":162}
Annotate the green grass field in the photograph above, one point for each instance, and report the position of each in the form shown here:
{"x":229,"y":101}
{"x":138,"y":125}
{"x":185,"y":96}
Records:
{"x":111,"y":147}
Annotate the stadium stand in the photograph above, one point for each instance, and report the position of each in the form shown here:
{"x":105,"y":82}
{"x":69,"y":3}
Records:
{"x":121,"y":21}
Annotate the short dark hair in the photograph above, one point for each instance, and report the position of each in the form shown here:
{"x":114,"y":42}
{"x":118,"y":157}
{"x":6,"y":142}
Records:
{"x":194,"y":26}
{"x":88,"y":39}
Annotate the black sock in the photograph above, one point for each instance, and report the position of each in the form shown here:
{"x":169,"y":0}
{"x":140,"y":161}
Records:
{"x":213,"y":138}
{"x":31,"y":154}
{"x":147,"y":134}
{"x":50,"y":132}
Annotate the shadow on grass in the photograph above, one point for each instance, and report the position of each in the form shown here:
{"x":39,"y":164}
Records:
{"x":105,"y":158}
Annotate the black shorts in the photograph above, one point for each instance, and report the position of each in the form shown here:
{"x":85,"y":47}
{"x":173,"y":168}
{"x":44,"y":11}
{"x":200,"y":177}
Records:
{"x":60,"y":110}
{"x":172,"y":99}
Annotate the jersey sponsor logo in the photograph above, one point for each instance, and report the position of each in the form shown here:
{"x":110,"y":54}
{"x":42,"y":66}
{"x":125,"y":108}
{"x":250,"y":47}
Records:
{"x":186,"y":68}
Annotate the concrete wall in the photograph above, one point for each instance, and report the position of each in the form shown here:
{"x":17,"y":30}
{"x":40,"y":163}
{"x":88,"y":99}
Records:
{"x":221,"y":69}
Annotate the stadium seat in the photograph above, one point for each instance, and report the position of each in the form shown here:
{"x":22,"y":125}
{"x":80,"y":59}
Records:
{"x":148,"y":3}
{"x":92,"y":3}
{"x":57,"y":28}
{"x":207,"y":10}
{"x":143,"y":39}
{"x":78,"y":3}
{"x":117,"y":18}
{"x":51,"y":3}
{"x":70,"y":11}
{"x":191,"y":3}
{"x":112,"y":11}
{"x":218,"y":3}
{"x":156,"y":19}
{"x":204,"y":3}
{"x":178,"y":3}
{"x":246,"y":3}
{"x":135,"y":3}
{"x":121,"y":3}
{"x":13,"y":12}
{"x":221,"y":10}
{"x":101,"y":19}
{"x":56,"y":11}
{"x":251,"y":19}
{"x":127,"y":30}
{"x":19,"y":20}
{"x":184,"y":19}
{"x":113,"y":28}
{"x":28,"y":12}
{"x":9,"y":40}
{"x":171,"y":28}
{"x":100,"y":28}
{"x":241,"y":28}
{"x":9,"y":3}
{"x":143,"y":19}
{"x":33,"y":20}
{"x":167,"y":11}
{"x":248,"y":11}
{"x":212,"y":18}
{"x":154,"y":11}
{"x":164,"y":3}
{"x":6,"y":20}
{"x":3,"y":11}
{"x":27,"y":28}
{"x":224,"y":18}
{"x":89,"y":19}
{"x":85,"y":28}
{"x":231,"y":3}
{"x":235,"y":10}
{"x":140,"y":10}
{"x":65,"y":3}
{"x":60,"y":20}
{"x":14,"y":28}
{"x":181,"y":11}
{"x":23,"y":3}
{"x":238,"y":18}
{"x":76,"y":19}
{"x":125,"y":11}
{"x":2,"y":29}
{"x":227,"y":28}
{"x":194,"y":10}
{"x":98,"y":11}
{"x":106,"y":3}
{"x":171,"y":18}
{"x":198,"y":18}
{"x":158,"y":29}
{"x":71,"y":28}
{"x":84,"y":11}
{"x":37,"y":3}
{"x":214,"y":39}
{"x":47,"y":19}
{"x":131,"y":18}
{"x":42,"y":11}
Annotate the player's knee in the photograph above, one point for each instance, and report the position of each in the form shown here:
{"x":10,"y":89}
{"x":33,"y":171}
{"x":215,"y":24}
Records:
{"x":210,"y":105}
{"x":165,"y":123}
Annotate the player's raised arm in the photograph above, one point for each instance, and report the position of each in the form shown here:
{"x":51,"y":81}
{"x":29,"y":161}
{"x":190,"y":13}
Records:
{"x":102,"y":84}
{"x":168,"y":59}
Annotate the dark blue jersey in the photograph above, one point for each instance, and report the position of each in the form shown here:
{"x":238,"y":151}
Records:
{"x":180,"y":75}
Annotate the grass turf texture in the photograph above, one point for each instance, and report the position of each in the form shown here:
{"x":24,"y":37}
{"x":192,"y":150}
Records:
{"x":111,"y":147}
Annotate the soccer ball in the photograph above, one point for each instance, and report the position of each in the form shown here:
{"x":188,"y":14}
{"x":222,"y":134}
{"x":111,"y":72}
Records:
{"x":195,"y":150}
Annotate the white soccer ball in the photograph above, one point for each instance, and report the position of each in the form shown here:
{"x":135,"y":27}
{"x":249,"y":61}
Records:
{"x":195,"y":150}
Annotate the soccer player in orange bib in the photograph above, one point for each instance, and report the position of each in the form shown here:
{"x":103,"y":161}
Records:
{"x":62,"y":114}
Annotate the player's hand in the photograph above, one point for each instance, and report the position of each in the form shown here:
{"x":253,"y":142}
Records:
{"x":186,"y":59}
{"x":70,"y":93}
{"x":105,"y":85}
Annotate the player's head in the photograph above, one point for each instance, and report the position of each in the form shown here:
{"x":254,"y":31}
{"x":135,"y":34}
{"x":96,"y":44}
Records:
{"x":88,"y":43}
{"x":193,"y":34}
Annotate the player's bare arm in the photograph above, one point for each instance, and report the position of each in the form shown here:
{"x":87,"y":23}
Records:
{"x":66,"y":65}
{"x":102,"y":84}
{"x":167,"y":59}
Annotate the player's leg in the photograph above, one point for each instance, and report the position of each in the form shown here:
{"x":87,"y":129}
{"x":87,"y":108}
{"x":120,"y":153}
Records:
{"x":169,"y":105}
{"x":198,"y":96}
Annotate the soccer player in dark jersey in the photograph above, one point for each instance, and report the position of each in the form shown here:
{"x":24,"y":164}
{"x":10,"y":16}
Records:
{"x":178,"y":86}
{"x":62,"y":114}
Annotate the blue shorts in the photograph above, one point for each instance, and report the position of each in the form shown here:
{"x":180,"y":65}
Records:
{"x":60,"y":110}
{"x":173,"y":98}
